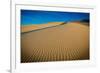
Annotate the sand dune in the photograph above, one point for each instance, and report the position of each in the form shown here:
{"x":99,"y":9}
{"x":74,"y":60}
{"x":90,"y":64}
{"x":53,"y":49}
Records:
{"x":61,"y":43}
{"x":39,"y":26}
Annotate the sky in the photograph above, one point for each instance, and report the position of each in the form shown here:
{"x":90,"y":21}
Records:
{"x":29,"y":17}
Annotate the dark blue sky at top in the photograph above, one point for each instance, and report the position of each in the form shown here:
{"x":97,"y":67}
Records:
{"x":41,"y":17}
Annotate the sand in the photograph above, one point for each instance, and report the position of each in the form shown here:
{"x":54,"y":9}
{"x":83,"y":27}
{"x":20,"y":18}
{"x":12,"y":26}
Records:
{"x":60,"y":43}
{"x":31,"y":27}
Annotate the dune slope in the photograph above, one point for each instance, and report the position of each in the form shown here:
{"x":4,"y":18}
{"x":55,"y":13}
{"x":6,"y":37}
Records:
{"x":61,"y":43}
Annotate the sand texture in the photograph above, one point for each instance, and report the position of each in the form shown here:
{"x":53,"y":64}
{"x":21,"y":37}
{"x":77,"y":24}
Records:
{"x":61,"y":43}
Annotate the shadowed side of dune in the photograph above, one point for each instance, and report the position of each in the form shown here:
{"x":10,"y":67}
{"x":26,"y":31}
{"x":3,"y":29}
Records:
{"x":61,"y":43}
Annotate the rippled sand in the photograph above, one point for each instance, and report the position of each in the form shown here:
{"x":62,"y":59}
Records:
{"x":61,"y":43}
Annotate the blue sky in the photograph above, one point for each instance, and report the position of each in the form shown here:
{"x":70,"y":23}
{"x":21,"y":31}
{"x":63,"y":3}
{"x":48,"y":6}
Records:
{"x":41,"y":17}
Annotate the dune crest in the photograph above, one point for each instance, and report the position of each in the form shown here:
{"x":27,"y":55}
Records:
{"x":38,"y":26}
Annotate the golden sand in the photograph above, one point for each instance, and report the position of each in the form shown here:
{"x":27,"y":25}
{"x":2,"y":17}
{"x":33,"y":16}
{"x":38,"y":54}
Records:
{"x":61,"y":43}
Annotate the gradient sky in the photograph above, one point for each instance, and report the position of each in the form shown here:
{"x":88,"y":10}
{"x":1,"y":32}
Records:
{"x":29,"y":17}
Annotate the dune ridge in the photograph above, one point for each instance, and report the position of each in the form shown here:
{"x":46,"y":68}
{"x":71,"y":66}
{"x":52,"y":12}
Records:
{"x":38,"y":26}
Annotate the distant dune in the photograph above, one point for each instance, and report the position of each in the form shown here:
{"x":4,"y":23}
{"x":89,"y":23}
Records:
{"x":61,"y":43}
{"x":31,"y":27}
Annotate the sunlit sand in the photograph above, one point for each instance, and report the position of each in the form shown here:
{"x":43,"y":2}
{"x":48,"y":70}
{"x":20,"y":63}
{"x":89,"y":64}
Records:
{"x":61,"y":43}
